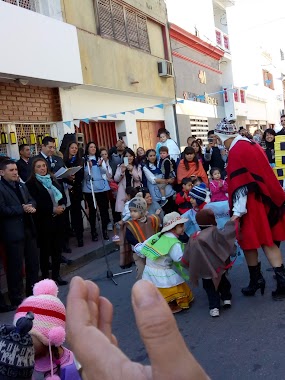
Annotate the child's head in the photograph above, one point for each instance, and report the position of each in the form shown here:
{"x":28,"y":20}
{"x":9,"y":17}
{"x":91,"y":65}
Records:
{"x":17,"y":354}
{"x":49,"y":316}
{"x":163,"y":152}
{"x":137,"y":207}
{"x":196,"y":181}
{"x":186,"y":184}
{"x":198,"y":195}
{"x":131,"y":192}
{"x":216,"y":173}
{"x":173,"y":222}
{"x":163,"y":136}
{"x":104,"y":154}
{"x":205,"y":218}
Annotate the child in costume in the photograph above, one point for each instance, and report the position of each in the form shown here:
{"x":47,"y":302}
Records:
{"x":140,"y":228}
{"x":183,"y":200}
{"x":207,"y":255}
{"x":52,"y":360}
{"x":198,"y":196}
{"x":218,"y":186}
{"x":162,"y":252}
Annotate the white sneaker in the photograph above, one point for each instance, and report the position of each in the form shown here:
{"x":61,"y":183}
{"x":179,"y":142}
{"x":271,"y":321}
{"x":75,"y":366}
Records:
{"x":227,"y":304}
{"x":215,"y":312}
{"x":110,"y":226}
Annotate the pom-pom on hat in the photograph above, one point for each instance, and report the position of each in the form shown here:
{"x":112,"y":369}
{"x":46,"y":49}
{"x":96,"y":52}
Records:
{"x":199,"y":193}
{"x":226,"y":129}
{"x":138,"y":203}
{"x":17,"y":355}
{"x":49,"y":313}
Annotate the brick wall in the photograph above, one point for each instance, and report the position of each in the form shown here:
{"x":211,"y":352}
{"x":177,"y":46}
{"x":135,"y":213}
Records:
{"x":20,"y":103}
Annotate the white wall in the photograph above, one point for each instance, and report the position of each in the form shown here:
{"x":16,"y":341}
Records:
{"x":81,"y":103}
{"x":36,"y":46}
{"x":190,"y":13}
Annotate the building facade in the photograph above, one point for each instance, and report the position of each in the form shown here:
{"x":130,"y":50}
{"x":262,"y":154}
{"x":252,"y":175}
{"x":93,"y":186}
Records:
{"x":32,"y":68}
{"x":121,"y":44}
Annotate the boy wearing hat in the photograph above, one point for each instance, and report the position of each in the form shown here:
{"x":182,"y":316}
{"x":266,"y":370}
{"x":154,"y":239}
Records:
{"x":198,"y":196}
{"x":163,"y":251}
{"x":140,"y":228}
{"x":258,"y":200}
{"x":207,"y":256}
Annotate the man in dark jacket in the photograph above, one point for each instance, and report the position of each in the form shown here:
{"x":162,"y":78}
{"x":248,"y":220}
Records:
{"x":282,"y":122}
{"x":215,"y":156}
{"x":24,"y":164}
{"x":17,"y":232}
{"x":47,"y":152}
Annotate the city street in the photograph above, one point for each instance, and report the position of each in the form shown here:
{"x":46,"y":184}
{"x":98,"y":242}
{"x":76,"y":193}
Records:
{"x":244,"y":342}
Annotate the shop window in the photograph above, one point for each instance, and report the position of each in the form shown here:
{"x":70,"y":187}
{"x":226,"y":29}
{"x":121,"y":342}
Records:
{"x":268,"y":79}
{"x":123,"y":24}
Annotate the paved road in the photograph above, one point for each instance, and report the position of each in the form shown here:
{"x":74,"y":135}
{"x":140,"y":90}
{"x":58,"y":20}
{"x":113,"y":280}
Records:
{"x":246,"y":342}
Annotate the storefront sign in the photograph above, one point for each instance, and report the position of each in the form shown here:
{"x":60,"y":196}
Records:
{"x":200,"y":98}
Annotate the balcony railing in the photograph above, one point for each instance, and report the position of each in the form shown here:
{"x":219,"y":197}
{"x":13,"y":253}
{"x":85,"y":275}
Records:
{"x":51,"y":8}
{"x":222,"y":40}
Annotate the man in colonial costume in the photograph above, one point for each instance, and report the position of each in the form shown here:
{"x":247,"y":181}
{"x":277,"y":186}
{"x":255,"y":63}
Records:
{"x":257,"y":200}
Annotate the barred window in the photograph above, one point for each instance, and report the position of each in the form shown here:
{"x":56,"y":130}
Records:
{"x":28,"y":4}
{"x":123,"y":24}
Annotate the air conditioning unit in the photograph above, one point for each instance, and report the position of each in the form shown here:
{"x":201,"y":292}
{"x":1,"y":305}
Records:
{"x":165,"y":69}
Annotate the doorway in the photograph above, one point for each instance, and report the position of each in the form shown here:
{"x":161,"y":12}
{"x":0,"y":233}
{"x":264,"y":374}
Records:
{"x":147,"y":133}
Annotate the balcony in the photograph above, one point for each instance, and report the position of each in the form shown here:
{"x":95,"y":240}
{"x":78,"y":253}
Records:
{"x":39,"y":49}
{"x":50,"y":8}
{"x":222,"y":40}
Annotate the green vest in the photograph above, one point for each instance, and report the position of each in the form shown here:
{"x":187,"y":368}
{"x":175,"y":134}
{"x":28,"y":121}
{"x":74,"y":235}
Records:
{"x":159,"y":245}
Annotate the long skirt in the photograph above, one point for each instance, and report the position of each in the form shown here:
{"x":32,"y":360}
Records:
{"x":181,"y":293}
{"x":255,"y":229}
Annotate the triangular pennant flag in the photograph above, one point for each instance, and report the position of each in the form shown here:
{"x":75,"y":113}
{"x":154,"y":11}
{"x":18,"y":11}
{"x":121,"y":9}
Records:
{"x":122,"y":113}
{"x":68,"y":123}
{"x":104,"y":116}
{"x":159,"y":106}
{"x":268,"y":81}
{"x":244,"y":87}
{"x":76,"y":123}
{"x":85,"y":120}
{"x":95,"y":118}
{"x":132,"y":112}
{"x":114,"y":115}
{"x":180,"y":101}
{"x":141,"y":110}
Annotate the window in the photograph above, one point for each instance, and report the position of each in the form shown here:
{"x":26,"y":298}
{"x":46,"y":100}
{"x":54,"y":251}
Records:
{"x":218,"y":37}
{"x":281,"y":55}
{"x":28,"y":4}
{"x":242,"y":96}
{"x":268,"y":79}
{"x":226,"y":42}
{"x":123,"y":24}
{"x":236,"y":95}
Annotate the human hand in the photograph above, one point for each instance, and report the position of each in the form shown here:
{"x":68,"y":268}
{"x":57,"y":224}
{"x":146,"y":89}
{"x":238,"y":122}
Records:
{"x":58,"y":210}
{"x":123,"y":168}
{"x":29,"y":209}
{"x":121,"y":222}
{"x":221,"y":184}
{"x":89,"y":333}
{"x":234,"y":218}
{"x":158,"y":211}
{"x":170,"y":181}
{"x":71,"y":177}
{"x":130,"y":168}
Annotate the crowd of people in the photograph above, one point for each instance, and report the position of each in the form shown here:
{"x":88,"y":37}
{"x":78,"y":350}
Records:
{"x":152,"y":197}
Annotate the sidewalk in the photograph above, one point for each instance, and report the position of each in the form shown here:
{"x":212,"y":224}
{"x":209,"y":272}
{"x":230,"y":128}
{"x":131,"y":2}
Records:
{"x":90,"y":251}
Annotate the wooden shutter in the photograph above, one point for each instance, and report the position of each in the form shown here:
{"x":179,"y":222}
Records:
{"x":143,"y":35}
{"x":132,"y":28}
{"x":105,"y":18}
{"x":119,"y":22}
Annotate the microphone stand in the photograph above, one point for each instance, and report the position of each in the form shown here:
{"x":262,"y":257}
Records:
{"x":110,"y":274}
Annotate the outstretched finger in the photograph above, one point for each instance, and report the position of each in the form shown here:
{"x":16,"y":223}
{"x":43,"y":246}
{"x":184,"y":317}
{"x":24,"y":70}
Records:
{"x":105,"y":317}
{"x":168,"y":353}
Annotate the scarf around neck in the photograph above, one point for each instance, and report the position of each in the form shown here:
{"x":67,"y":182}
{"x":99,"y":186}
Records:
{"x":46,"y":181}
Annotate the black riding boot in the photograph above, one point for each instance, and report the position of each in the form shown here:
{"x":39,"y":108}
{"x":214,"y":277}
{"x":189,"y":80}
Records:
{"x":279,"y":293}
{"x":257,"y":281}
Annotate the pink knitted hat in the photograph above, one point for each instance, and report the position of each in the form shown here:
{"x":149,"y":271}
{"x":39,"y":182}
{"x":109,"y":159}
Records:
{"x":49,"y":313}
